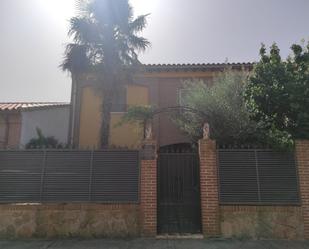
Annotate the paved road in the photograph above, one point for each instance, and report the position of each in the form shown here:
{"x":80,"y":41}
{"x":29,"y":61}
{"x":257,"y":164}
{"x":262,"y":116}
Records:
{"x":152,"y":244}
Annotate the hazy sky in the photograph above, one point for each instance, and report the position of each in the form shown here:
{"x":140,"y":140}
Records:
{"x":34,"y":32}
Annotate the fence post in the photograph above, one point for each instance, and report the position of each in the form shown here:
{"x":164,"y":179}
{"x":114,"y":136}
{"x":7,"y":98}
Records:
{"x":302,"y":157}
{"x":148,"y":195}
{"x":209,"y":188}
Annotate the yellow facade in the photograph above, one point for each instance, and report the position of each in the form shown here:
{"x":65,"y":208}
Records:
{"x":127,"y":135}
{"x":90,"y":118}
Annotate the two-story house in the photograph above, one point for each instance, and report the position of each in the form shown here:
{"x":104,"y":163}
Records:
{"x":156,"y":85}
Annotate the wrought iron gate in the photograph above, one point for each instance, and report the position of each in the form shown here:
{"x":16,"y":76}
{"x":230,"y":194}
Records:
{"x":178,"y":193}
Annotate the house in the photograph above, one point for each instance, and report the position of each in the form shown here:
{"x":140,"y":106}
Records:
{"x":218,"y":192}
{"x":19,"y":121}
{"x":156,"y":85}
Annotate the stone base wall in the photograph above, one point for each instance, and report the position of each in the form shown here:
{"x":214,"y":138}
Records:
{"x":262,"y":222}
{"x":69,"y":220}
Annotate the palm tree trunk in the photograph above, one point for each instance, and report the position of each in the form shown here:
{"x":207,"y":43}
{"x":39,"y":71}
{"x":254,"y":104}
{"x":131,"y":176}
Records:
{"x":106,"y":118}
{"x":110,"y":58}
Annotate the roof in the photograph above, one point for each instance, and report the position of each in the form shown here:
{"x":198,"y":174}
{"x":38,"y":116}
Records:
{"x":17,"y":106}
{"x":196,"y":67}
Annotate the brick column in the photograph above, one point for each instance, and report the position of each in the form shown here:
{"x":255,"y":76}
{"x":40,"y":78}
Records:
{"x":209,"y":188}
{"x":302,"y":157}
{"x":148,"y":200}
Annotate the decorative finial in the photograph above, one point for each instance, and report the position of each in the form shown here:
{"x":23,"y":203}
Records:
{"x":206,"y":131}
{"x":148,"y":129}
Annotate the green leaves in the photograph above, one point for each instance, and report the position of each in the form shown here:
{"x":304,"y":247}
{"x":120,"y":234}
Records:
{"x":106,"y":33}
{"x":43,"y":142}
{"x":142,"y":115}
{"x":137,"y":114}
{"x":277,"y":95}
{"x":222,"y":102}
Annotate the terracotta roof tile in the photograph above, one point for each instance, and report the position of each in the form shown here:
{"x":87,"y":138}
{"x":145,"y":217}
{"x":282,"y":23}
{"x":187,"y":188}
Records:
{"x":16,"y":106}
{"x":195,"y":66}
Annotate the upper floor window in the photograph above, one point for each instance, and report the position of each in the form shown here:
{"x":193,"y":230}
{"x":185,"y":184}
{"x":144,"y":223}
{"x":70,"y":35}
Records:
{"x":119,"y":103}
{"x":182,"y":93}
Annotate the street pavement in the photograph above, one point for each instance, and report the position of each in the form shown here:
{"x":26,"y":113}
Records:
{"x":152,"y":244}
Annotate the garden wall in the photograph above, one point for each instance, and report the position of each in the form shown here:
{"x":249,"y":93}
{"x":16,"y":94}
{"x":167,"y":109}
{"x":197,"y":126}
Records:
{"x":69,"y":220}
{"x":262,"y":194}
{"x":262,"y":222}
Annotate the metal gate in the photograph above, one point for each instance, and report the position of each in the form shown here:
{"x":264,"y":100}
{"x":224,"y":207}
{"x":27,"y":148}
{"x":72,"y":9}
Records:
{"x":178,"y":193}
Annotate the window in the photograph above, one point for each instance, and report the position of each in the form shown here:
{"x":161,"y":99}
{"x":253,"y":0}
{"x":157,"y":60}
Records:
{"x":182,"y":93}
{"x":119,"y":103}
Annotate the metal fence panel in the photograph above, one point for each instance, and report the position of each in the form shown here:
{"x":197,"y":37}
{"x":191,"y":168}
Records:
{"x":238,"y":179}
{"x":66,"y":176}
{"x":278,"y":177}
{"x":117,"y":179}
{"x":69,"y":176}
{"x":257,"y":177}
{"x":20,"y":176}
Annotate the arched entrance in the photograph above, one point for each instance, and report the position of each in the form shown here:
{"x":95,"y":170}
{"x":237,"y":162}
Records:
{"x":179,"y":208}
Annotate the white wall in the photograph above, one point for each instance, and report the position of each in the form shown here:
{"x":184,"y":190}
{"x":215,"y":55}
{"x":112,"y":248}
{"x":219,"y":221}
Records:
{"x":52,"y":121}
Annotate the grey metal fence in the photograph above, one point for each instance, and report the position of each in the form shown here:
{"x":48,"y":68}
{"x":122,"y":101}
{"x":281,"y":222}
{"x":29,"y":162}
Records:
{"x":251,"y":176}
{"x":69,"y":176}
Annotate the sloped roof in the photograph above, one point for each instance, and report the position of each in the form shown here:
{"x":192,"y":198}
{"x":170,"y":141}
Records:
{"x":196,"y":66}
{"x":17,"y":106}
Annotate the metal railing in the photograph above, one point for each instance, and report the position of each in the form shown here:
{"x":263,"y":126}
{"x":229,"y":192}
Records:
{"x":257,"y":176}
{"x":52,"y":175}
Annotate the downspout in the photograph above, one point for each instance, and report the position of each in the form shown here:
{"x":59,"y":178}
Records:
{"x":72,"y":112}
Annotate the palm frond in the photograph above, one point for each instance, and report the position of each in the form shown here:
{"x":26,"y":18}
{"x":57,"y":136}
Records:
{"x":104,"y":32}
{"x":138,"y":42}
{"x":138,"y":24}
{"x":82,"y":7}
{"x":75,"y":58}
{"x":84,"y":30}
{"x":122,"y":13}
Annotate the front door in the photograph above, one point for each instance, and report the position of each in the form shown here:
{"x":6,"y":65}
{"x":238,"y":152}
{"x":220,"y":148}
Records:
{"x":178,"y":193}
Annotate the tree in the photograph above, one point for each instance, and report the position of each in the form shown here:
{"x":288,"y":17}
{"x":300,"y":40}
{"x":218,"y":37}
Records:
{"x":277,"y":95}
{"x":105,"y":41}
{"x":221,"y":104}
{"x":43,"y":142}
{"x":141,"y":115}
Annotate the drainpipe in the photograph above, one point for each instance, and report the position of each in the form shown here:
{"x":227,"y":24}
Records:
{"x":72,"y":112}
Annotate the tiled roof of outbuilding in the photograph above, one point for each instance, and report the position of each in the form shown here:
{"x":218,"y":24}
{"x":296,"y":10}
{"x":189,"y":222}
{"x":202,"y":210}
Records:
{"x":16,"y":106}
{"x":196,"y":66}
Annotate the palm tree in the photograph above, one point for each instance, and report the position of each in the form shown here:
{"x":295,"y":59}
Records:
{"x":105,"y":41}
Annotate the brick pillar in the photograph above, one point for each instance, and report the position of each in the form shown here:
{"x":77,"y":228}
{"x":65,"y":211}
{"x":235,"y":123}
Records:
{"x":302,"y":157}
{"x":209,"y":188}
{"x":148,"y":199}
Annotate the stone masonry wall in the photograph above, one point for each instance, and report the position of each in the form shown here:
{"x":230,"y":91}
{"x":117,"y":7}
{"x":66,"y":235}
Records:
{"x":302,"y":157}
{"x":262,"y":222}
{"x":69,"y":220}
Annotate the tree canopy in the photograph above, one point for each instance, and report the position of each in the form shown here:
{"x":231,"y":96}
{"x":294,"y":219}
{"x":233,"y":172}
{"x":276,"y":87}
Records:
{"x":277,"y":94}
{"x":222,"y":103}
{"x":42,"y":141}
{"x":105,"y":36}
{"x":105,"y":41}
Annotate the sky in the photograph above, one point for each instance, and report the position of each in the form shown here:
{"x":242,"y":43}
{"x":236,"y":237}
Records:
{"x":33,"y":34}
